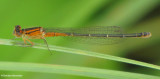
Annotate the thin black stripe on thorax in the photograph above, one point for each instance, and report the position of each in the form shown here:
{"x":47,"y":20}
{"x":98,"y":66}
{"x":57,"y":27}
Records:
{"x":28,"y":29}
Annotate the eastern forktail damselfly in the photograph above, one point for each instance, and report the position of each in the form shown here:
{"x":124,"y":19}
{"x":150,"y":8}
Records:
{"x":99,"y":34}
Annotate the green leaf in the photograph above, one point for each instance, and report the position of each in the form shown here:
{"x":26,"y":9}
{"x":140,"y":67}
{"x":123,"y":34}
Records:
{"x":81,"y":52}
{"x":72,"y":70}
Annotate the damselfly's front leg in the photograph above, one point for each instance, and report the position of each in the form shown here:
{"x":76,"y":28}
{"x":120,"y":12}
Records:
{"x":25,"y":43}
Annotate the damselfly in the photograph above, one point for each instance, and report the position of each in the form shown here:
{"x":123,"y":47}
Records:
{"x":99,"y":34}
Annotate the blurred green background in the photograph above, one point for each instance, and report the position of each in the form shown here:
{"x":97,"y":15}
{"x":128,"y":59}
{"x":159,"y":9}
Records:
{"x":132,"y":15}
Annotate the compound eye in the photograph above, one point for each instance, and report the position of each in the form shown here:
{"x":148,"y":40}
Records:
{"x":17,"y":26}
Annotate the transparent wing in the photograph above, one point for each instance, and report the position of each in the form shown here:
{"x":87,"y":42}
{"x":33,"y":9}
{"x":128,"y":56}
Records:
{"x":90,"y":30}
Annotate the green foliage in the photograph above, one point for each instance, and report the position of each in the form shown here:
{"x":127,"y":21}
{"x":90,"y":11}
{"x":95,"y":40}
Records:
{"x":72,"y":70}
{"x":89,"y":72}
{"x":132,"y":15}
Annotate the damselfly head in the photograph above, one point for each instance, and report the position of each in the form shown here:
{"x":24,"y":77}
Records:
{"x":17,"y":27}
{"x":17,"y":31}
